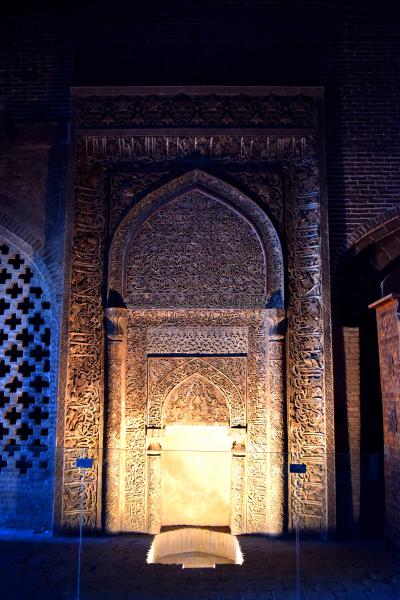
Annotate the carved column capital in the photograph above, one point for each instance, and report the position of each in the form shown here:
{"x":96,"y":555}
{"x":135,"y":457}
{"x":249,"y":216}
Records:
{"x":116,"y":323}
{"x":276,"y":319}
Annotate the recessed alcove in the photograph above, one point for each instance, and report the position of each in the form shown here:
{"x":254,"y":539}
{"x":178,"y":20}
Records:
{"x":196,"y":475}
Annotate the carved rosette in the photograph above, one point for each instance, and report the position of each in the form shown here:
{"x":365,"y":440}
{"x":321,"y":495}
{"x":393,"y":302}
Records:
{"x":306,"y":349}
{"x":116,"y":324}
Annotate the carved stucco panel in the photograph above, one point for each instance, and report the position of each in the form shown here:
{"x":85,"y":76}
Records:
{"x":238,"y":494}
{"x":236,"y":369}
{"x":212,"y":190}
{"x":276,"y":434}
{"x":267,"y":188}
{"x":84,"y":394}
{"x":127,"y":189}
{"x":154,"y":492}
{"x":147,"y":149}
{"x":135,"y":429}
{"x":257,"y":455}
{"x":269,"y":109}
{"x":72,"y":497}
{"x":388,"y":326}
{"x":115,"y":319}
{"x":196,"y":401}
{"x":208,"y":340}
{"x":195,"y":252}
{"x":306,"y":349}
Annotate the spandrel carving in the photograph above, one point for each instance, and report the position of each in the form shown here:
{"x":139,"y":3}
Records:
{"x":266,"y":188}
{"x":128,"y":189}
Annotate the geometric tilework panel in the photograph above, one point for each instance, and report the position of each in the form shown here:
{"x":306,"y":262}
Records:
{"x":24,"y":366}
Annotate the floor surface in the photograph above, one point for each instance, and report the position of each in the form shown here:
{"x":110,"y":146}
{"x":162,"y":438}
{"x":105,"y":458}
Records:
{"x":41,"y":567}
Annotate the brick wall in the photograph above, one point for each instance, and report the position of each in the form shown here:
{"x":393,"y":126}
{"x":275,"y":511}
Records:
{"x":350,"y":48}
{"x":348,"y":429}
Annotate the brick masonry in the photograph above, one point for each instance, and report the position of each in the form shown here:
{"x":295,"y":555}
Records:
{"x":352,"y":49}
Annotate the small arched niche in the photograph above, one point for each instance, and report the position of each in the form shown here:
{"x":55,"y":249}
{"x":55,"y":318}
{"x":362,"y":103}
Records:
{"x":196,"y":461}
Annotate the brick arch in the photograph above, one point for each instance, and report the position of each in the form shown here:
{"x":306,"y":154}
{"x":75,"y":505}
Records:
{"x":374,"y":229}
{"x":370,"y":258}
{"x":367,"y":234}
{"x":27,"y":382}
{"x":217,"y":190}
{"x":367,"y":254}
{"x":196,"y":367}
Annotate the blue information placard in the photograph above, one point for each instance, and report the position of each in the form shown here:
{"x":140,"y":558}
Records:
{"x":298,"y":468}
{"x":84,"y":463}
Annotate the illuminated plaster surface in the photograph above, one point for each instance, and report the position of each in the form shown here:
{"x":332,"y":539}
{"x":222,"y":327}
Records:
{"x":194,"y":548}
{"x":196,"y":475}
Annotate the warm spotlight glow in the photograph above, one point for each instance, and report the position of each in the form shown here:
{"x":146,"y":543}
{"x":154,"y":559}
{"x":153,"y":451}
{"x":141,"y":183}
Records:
{"x":195,"y":548}
{"x":196,"y":475}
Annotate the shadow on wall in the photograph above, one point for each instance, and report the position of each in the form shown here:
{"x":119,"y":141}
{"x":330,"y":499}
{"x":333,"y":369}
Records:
{"x":361,"y":285}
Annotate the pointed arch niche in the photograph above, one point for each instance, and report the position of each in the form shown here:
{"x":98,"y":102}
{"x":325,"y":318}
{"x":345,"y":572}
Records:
{"x":196,"y":278}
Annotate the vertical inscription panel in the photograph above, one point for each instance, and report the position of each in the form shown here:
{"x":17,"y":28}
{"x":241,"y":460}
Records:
{"x":388,"y":323}
{"x":307,"y":401}
{"x":85,"y":362}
